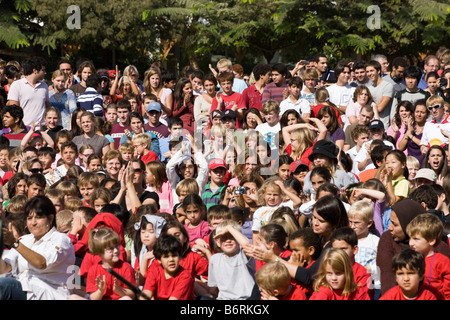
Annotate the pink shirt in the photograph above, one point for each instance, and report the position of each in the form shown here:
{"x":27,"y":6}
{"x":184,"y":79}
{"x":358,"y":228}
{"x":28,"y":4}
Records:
{"x":31,"y":98}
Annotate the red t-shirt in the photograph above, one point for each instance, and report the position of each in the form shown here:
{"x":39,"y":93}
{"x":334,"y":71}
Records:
{"x":150,"y":156}
{"x":367,"y":174}
{"x":181,"y":286}
{"x":304,"y":157}
{"x":362,"y":277}
{"x":229,"y":101}
{"x":396,"y":293}
{"x":252,"y":97}
{"x":295,"y":293}
{"x":437,"y":275}
{"x":326,"y":293}
{"x":121,"y":267}
{"x":285,"y":254}
{"x":196,"y":264}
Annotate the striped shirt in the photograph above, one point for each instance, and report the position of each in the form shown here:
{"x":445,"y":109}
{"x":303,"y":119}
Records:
{"x":210,"y":197}
{"x":274,"y":92}
{"x":91,"y":101}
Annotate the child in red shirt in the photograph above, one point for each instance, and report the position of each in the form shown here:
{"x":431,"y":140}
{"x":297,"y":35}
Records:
{"x":305,"y":246}
{"x":335,"y":280}
{"x":100,"y":284}
{"x":166,"y":279}
{"x":141,"y":143}
{"x":274,"y":283}
{"x":425,"y":231}
{"x":273,"y":236}
{"x":345,"y":238}
{"x":229,"y":99}
{"x":409,"y":268}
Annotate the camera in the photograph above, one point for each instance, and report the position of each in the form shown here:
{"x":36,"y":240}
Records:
{"x":443,"y":82}
{"x":240,"y":190}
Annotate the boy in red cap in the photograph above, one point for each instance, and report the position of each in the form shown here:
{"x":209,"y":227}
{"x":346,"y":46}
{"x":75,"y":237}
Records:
{"x":213,"y":189}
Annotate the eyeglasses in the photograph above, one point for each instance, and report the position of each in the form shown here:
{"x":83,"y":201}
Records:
{"x":431,"y":108}
{"x":36,"y":170}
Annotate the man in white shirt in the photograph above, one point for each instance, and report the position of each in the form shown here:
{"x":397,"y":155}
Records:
{"x":436,"y":130}
{"x":341,"y":93}
{"x":31,"y":92}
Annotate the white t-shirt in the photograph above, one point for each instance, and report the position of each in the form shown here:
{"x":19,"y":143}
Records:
{"x":367,"y":256}
{"x":341,"y":95}
{"x":269,"y":133}
{"x":302,"y":106}
{"x":362,"y":154}
{"x":432,"y":132}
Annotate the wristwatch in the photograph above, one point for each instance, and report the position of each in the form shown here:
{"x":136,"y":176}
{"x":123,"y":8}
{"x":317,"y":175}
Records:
{"x":16,"y":244}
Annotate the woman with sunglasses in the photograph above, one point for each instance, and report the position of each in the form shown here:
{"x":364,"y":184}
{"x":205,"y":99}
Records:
{"x":436,"y":130}
{"x":414,"y":131}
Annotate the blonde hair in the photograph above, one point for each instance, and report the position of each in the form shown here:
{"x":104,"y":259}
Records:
{"x":434,"y":99}
{"x":273,"y":276}
{"x":362,"y":209}
{"x":218,"y":129}
{"x":287,"y":222}
{"x":412,"y":161}
{"x":64,"y":220}
{"x":188,"y":185}
{"x":269,"y":106}
{"x":228,"y":222}
{"x":126,"y":147}
{"x":17,"y":203}
{"x":58,"y":73}
{"x":269,"y":183}
{"x":427,"y":225}
{"x":339,"y":262}
{"x":224,"y":63}
{"x":305,"y":140}
{"x":143,"y":138}
{"x":101,"y":239}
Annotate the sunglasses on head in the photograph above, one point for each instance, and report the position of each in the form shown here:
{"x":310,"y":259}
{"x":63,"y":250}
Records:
{"x":431,"y":108}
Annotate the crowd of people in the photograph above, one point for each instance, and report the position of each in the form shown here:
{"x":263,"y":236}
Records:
{"x":282,"y":182}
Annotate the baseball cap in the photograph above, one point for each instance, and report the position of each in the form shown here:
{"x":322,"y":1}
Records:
{"x":216,"y":113}
{"x":154,"y":106}
{"x":426,"y":173}
{"x":217,"y":163}
{"x":376,"y":124}
{"x":103,"y":74}
{"x":297,"y":165}
{"x":229,"y":114}
{"x":112,"y":73}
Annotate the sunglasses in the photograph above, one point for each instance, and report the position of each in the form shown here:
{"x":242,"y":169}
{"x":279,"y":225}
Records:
{"x":431,"y":108}
{"x":35,"y":170}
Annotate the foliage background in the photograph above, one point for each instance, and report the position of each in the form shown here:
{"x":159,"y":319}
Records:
{"x":199,"y":32}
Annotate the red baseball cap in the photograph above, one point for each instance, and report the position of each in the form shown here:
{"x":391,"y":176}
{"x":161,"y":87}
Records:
{"x":297,"y":165}
{"x":217,"y":163}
